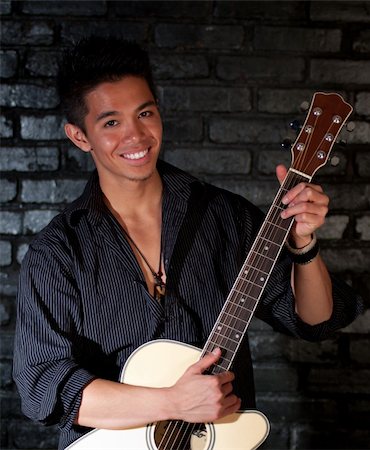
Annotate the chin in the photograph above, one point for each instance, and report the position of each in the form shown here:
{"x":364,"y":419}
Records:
{"x":141,"y":177}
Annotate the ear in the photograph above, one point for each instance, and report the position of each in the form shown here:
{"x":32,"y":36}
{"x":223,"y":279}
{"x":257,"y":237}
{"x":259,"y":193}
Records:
{"x":77,"y":136}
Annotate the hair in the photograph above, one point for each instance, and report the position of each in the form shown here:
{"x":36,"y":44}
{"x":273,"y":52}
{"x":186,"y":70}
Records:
{"x":95,"y":60}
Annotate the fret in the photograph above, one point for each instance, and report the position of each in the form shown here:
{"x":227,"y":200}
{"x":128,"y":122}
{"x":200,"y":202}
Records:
{"x":236,"y":312}
{"x":233,"y":313}
{"x":225,"y":360}
{"x":219,"y":368}
{"x":229,"y":334}
{"x":267,"y":247}
{"x":223,"y":326}
{"x":277,"y":234}
{"x":252,"y":283}
{"x":253,"y":291}
{"x":243,"y":298}
{"x":279,"y":237}
{"x":225,"y":353}
{"x":237,"y":324}
{"x":249,"y":287}
{"x":234,"y":317}
{"x":232,"y":338}
{"x":263,"y":257}
{"x":224,"y":329}
{"x":256,"y":275}
{"x":275,"y":225}
{"x":250,"y":271}
{"x":259,"y":280}
{"x":243,"y":301}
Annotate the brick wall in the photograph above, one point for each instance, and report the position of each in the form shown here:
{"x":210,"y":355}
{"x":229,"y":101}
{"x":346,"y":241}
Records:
{"x":231,"y":77}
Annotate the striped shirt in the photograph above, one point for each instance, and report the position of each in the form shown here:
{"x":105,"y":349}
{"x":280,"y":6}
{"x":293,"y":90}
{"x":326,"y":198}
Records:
{"x":83,"y":305}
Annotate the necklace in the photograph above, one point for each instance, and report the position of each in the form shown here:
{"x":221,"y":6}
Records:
{"x":159,"y":285}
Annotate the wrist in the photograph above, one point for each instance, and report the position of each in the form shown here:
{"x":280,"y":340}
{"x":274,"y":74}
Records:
{"x":169,"y":405}
{"x":306,"y":254}
{"x":299,"y":243}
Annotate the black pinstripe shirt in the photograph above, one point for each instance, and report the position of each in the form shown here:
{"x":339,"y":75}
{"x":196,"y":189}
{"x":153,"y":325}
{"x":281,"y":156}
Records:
{"x":83,"y":306}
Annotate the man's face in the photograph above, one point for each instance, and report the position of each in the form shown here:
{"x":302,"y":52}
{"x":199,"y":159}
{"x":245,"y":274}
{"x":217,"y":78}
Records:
{"x":123,"y":129}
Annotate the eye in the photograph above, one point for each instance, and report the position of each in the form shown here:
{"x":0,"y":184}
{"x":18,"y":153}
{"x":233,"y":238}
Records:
{"x":146,"y":114}
{"x":111,"y":123}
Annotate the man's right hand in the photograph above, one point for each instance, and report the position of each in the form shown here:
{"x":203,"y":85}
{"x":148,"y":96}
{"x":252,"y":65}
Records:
{"x":196,"y":397}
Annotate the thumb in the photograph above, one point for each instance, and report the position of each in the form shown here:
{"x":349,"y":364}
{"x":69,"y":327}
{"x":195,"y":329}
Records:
{"x":207,"y":361}
{"x":281,"y":172}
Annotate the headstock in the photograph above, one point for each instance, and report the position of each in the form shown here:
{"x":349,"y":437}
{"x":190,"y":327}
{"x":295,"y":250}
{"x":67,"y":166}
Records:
{"x":326,"y":117}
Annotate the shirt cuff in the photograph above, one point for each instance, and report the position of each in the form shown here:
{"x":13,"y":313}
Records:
{"x":62,"y":398}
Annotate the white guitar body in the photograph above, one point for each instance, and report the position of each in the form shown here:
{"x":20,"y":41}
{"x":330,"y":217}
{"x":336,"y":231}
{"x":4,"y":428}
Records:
{"x":160,"y":364}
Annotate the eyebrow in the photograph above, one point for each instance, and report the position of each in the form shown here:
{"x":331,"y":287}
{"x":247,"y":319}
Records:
{"x":106,"y":114}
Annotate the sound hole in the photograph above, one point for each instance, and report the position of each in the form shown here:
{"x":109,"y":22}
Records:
{"x":179,"y":435}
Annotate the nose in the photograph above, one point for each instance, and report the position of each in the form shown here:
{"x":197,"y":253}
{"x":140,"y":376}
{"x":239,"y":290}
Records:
{"x":134,"y":131}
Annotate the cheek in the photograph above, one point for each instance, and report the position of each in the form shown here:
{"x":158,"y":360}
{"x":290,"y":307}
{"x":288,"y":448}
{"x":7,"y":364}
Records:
{"x":106,"y":141}
{"x":157,"y":130}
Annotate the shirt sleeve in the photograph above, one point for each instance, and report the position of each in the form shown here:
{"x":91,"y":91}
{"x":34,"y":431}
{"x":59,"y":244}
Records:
{"x":277,"y":306}
{"x":49,"y":380}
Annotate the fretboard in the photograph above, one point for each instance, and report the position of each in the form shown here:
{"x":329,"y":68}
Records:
{"x":234,"y":319}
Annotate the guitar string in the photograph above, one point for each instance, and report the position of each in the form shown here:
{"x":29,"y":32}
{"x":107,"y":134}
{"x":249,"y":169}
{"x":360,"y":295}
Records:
{"x":310,"y":137}
{"x":246,"y":287}
{"x":182,"y":427}
{"x":186,"y":425}
{"x":290,"y":181}
{"x":323,"y":139}
{"x":274,"y":211}
{"x":301,"y":157}
{"x":270,"y":236}
{"x":258,"y":252}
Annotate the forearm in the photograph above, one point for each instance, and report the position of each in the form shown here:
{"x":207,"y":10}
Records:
{"x":112,"y":405}
{"x":194,"y":398}
{"x":313,"y":291}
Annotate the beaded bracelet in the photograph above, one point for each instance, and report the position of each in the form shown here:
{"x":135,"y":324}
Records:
{"x":305,"y":254}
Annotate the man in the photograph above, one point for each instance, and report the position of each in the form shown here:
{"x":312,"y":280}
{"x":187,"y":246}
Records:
{"x":149,"y":252}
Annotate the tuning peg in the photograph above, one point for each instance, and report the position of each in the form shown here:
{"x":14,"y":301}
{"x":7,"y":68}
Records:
{"x":350,"y":126}
{"x":295,"y":125}
{"x":341,"y":144}
{"x":286,"y":144}
{"x":304,"y":106}
{"x":334,"y":161}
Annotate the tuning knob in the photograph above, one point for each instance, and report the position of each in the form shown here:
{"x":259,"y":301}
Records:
{"x":286,"y":144}
{"x":341,"y":144}
{"x":334,"y":161}
{"x":350,"y":126}
{"x":304,"y":106}
{"x":295,"y":125}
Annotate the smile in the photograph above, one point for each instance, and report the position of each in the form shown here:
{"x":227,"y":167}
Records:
{"x":137,"y":155}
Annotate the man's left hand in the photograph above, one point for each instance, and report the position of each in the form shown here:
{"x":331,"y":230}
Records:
{"x":308,"y":204}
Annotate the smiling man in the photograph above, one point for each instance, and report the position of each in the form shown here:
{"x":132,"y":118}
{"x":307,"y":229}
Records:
{"x":149,"y":252}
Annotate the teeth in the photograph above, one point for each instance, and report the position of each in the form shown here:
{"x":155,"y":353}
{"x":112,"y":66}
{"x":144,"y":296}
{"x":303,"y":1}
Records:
{"x":137,"y":155}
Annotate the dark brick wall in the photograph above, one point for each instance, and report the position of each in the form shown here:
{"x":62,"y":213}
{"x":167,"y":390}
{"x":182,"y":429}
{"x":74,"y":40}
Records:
{"x":231,"y":76}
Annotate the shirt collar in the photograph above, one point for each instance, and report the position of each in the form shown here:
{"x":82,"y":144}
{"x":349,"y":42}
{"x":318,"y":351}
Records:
{"x":175,"y":182}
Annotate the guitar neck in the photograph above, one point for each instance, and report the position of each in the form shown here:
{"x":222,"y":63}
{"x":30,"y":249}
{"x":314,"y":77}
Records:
{"x":326,"y":117}
{"x":247,"y":290}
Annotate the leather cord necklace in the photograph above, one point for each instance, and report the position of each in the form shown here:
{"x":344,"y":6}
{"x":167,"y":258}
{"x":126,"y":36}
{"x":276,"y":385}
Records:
{"x":159,"y":284}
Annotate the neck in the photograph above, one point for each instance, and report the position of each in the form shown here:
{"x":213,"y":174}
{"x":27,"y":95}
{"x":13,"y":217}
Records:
{"x":131,"y":198}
